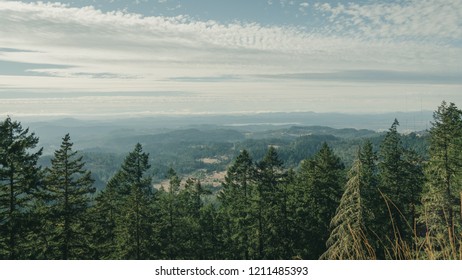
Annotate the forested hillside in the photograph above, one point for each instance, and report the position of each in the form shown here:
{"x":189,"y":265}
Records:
{"x":294,"y":192}
{"x":205,"y":152}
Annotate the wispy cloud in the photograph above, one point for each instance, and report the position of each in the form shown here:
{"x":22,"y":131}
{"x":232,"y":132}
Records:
{"x":93,"y":41}
{"x":418,"y":20}
{"x":96,"y":51}
{"x":303,"y":6}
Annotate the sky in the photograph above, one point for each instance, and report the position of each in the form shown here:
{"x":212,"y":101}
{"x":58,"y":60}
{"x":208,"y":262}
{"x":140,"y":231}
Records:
{"x":106,"y":58}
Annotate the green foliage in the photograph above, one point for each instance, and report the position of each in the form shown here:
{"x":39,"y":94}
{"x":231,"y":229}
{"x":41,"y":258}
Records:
{"x":441,"y":211}
{"x":269,"y":176}
{"x":170,"y":212}
{"x":19,"y":182}
{"x":135,"y":224}
{"x":68,"y":189}
{"x":237,"y":208}
{"x":372,"y":200}
{"x":285,"y":195}
{"x":348,"y":238}
{"x":187,"y":227}
{"x":127,"y":212}
{"x":321,"y":179}
{"x":400,"y":183}
{"x":108,"y":204}
{"x":195,"y":221}
{"x":254,"y":208}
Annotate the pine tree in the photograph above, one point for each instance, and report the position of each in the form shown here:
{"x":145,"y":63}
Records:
{"x":441,"y":211}
{"x":289,"y":208}
{"x":19,"y":180}
{"x":108,"y":206}
{"x":284,"y":230}
{"x":211,"y":246}
{"x":348,"y":238}
{"x":391,"y":176}
{"x":269,"y":198}
{"x":368,"y":161}
{"x":414,"y":179}
{"x":135,"y":223}
{"x":68,"y":186}
{"x":236,"y":204}
{"x":374,"y":207}
{"x":320,"y":184}
{"x":170,"y":213}
{"x":192,"y":220}
{"x":400,"y":180}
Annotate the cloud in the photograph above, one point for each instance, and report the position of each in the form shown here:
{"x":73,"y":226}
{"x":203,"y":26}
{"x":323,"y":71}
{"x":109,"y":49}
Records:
{"x":285,"y":3}
{"x":370,"y":76}
{"x":88,"y":50}
{"x":178,"y":6}
{"x":89,"y":39}
{"x":303,"y":6}
{"x":427,"y":20}
{"x":321,"y":98}
{"x":160,"y":47}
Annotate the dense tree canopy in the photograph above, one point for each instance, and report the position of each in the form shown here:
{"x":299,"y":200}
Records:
{"x":441,"y":211}
{"x":19,"y":181}
{"x":68,"y":190}
{"x":394,"y":203}
{"x":348,"y":238}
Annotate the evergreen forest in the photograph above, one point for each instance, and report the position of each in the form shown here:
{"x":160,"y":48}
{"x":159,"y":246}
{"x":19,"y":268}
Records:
{"x":392,"y":197}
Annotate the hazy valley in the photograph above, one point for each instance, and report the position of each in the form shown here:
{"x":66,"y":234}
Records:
{"x":204,"y":146}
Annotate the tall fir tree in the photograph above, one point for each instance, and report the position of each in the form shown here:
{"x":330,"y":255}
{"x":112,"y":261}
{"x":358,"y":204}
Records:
{"x":236,"y":206}
{"x":320,"y":185}
{"x":192,"y":220}
{"x":19,"y":181}
{"x":348,"y":238}
{"x":211,"y":246}
{"x":441,"y":212}
{"x":171,"y":214}
{"x":269,"y":176}
{"x":287,"y":215}
{"x":68,"y":186}
{"x":108,"y":206}
{"x":400,"y":178}
{"x":391,"y":173}
{"x":135,"y":227}
{"x":414,"y":179}
{"x":372,"y":198}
